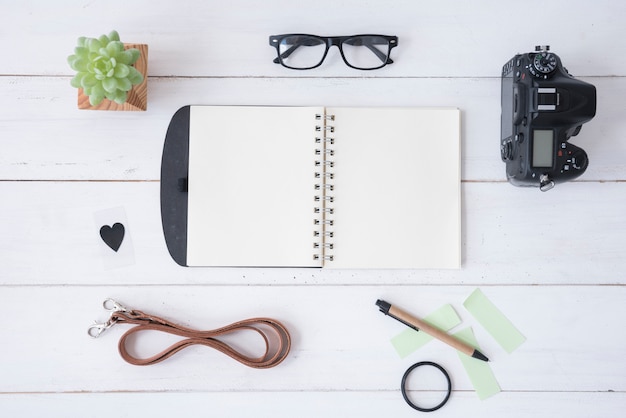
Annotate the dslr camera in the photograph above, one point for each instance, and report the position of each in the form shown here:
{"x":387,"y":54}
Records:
{"x":542,"y":107}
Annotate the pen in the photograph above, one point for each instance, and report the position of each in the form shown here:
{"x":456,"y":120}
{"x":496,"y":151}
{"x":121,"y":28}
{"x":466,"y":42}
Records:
{"x":417,"y":324}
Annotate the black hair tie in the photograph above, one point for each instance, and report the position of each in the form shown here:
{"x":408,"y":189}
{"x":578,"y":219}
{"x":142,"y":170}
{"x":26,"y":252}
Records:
{"x":406,"y":375}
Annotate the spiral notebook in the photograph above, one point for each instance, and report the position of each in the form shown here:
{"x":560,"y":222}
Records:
{"x":332,"y":187}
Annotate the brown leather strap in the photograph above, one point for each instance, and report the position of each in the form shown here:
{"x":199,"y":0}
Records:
{"x":274,"y":334}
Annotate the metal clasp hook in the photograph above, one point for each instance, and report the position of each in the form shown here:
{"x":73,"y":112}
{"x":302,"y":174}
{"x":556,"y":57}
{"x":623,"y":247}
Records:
{"x":97,"y":329}
{"x":113,"y":307}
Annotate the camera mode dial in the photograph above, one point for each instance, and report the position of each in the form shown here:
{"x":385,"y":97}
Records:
{"x":543,"y":64}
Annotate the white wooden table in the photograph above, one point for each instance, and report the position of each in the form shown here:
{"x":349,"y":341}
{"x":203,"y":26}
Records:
{"x":553,"y":262}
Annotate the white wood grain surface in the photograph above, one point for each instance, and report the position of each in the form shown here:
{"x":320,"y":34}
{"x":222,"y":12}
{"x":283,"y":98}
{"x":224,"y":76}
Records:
{"x":554,"y":262}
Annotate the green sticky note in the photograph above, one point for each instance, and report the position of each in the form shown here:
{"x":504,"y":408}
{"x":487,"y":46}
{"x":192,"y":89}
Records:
{"x":490,"y":317}
{"x":479,"y":372}
{"x":444,"y":318}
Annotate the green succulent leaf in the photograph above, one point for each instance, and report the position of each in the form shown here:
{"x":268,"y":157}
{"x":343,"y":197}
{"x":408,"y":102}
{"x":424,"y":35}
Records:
{"x":96,"y":95}
{"x":134,"y":55}
{"x":114,"y":36}
{"x":121,"y":71}
{"x":120,"y":97}
{"x":129,"y":56}
{"x":77,"y":63}
{"x":95,"y":100}
{"x":103,"y":53}
{"x":81,"y":51}
{"x":124,"y":84}
{"x":77,"y":80}
{"x":125,"y":57}
{"x":134,"y":76}
{"x":109,"y":84}
{"x":88,"y":81}
{"x":114,"y":48}
{"x":92,"y":56}
{"x":98,"y":90}
{"x":104,"y":40}
{"x":93,"y":44}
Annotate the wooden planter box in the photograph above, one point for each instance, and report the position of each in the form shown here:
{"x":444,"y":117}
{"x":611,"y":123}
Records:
{"x":137,"y":97}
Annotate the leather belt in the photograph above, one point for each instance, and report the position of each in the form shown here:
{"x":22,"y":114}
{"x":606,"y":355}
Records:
{"x":274,"y":334}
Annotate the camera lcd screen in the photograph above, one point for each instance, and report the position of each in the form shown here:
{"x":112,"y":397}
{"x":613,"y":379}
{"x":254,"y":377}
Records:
{"x":506,"y":121}
{"x":543,"y":147}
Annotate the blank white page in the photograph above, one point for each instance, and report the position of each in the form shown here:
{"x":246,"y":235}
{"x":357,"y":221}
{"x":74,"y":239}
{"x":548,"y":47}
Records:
{"x":397,"y":188}
{"x":251,"y":186}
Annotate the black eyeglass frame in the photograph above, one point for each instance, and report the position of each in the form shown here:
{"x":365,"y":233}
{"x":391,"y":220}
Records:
{"x":329,"y":41}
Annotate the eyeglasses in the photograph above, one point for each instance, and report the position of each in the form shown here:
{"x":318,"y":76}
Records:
{"x":363,"y":52}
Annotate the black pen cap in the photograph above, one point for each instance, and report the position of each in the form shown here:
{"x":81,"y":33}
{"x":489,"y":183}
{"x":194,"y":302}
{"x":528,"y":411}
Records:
{"x":384,"y":306}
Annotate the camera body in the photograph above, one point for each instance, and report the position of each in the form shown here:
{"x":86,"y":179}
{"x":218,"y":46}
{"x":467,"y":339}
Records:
{"x":542,"y":107}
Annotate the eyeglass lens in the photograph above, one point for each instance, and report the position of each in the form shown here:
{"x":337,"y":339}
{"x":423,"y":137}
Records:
{"x":367,"y":52}
{"x":301,"y":51}
{"x":305,"y":51}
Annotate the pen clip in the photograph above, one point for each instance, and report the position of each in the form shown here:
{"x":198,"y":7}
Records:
{"x":383,"y":306}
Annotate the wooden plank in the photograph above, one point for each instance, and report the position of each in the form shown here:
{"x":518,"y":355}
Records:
{"x":341,"y":342}
{"x":306,"y":404}
{"x":46,"y":137}
{"x":510,"y":236}
{"x":200,"y":38}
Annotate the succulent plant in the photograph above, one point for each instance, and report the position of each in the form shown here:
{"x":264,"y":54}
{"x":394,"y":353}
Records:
{"x":104,"y":68}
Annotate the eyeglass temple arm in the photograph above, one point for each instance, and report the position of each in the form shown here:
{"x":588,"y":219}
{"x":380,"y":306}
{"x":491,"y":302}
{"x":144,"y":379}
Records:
{"x":287,"y":53}
{"x":381,"y":56}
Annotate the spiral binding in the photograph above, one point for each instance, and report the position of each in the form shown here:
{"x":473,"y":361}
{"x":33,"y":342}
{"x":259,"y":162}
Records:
{"x":324,"y":222}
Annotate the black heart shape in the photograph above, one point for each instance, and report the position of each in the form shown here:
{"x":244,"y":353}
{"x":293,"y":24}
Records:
{"x":113,"y":236}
